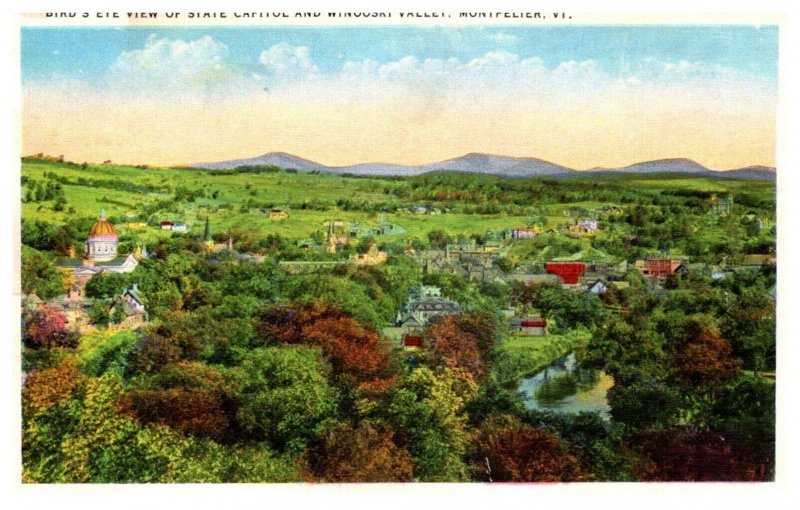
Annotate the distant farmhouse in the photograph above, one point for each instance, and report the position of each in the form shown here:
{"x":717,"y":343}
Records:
{"x":583,"y":227}
{"x":174,"y":227}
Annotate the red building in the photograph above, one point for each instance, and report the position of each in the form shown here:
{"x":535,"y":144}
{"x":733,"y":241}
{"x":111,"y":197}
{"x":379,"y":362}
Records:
{"x":657,"y":268}
{"x":412,"y":341}
{"x":569,"y":272}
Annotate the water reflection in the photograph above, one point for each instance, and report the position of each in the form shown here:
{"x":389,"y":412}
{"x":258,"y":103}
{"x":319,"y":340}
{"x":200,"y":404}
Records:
{"x":565,"y":387}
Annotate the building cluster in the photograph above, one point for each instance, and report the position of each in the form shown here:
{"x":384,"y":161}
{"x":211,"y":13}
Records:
{"x":100,"y":256}
{"x":474,"y":260}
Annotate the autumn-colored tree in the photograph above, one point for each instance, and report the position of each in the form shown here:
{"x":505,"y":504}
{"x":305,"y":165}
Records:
{"x":51,"y":410}
{"x":357,"y":354}
{"x":707,"y":360}
{"x":46,"y":388}
{"x":191,"y":397}
{"x":684,"y":454}
{"x":464,"y":341}
{"x":366,"y":453}
{"x":47,"y":327}
{"x":196,"y":412}
{"x":506,"y":450}
{"x":481,"y":325}
{"x":154,"y":352}
{"x":455,"y":347}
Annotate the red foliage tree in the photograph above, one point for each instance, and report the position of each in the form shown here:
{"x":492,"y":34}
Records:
{"x":47,"y":327}
{"x":362,"y":454}
{"x":707,"y":360}
{"x":520,"y":453}
{"x":455,"y":347}
{"x":191,"y":397}
{"x":464,"y":341}
{"x":683,"y":454}
{"x":196,"y":412}
{"x":357,"y":354}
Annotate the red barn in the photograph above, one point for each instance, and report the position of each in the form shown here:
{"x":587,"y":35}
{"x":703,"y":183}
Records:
{"x":412,"y":341}
{"x":529,"y":326}
{"x":569,"y":272}
{"x":657,"y":268}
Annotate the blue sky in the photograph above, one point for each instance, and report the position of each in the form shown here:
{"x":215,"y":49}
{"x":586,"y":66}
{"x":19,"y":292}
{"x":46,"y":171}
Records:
{"x":86,"y":53}
{"x":582,"y":96}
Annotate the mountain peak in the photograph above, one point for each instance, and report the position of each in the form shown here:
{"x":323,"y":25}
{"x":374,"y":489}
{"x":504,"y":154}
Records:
{"x":491,"y":164}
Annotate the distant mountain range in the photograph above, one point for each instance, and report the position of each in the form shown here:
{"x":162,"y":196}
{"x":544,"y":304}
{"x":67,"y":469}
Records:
{"x":494,"y":165}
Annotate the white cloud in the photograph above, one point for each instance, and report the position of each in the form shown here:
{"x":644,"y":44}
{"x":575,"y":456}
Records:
{"x":165,"y":64}
{"x":284,"y":61}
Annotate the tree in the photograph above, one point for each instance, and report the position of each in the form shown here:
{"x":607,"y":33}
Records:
{"x":363,"y":454}
{"x":63,"y":240}
{"x":645,"y":403}
{"x":745,"y":412}
{"x":749,"y":323}
{"x":505,"y":450}
{"x":106,"y":285}
{"x":687,"y":454}
{"x":50,"y":411}
{"x":47,"y":328}
{"x":283,"y":395}
{"x":706,"y":361}
{"x":153,"y":352}
{"x":438,"y":239}
{"x":456,"y":347}
{"x":39,"y":276}
{"x":356,"y":354}
{"x":188,"y":396}
{"x":427,"y":411}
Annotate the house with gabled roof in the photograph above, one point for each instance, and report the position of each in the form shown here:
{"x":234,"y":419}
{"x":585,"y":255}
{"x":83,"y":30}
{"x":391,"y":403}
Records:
{"x":597,"y":287}
{"x":130,"y":307}
{"x":425,"y":306}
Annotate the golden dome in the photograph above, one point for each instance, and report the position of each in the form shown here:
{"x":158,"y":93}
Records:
{"x":102,"y":228}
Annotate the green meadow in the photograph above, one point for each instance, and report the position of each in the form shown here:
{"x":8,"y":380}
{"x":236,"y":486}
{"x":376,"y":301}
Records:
{"x":243,"y":200}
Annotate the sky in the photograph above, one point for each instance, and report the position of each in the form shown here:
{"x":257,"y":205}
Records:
{"x":580,"y":96}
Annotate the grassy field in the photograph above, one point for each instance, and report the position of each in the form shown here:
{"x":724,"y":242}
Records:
{"x":526,"y":355}
{"x":224,"y":211}
{"x":239,"y":199}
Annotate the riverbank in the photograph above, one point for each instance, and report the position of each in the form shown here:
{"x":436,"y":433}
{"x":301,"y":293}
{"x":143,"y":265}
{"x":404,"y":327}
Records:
{"x":523,"y":356}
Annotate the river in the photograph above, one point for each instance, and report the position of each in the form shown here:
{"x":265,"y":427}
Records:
{"x":566,"y":387}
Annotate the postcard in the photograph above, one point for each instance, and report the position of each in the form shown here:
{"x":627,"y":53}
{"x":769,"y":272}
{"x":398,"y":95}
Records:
{"x":397,"y":245}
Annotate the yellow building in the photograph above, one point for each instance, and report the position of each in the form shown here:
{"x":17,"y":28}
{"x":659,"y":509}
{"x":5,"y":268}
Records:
{"x":278,"y":214}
